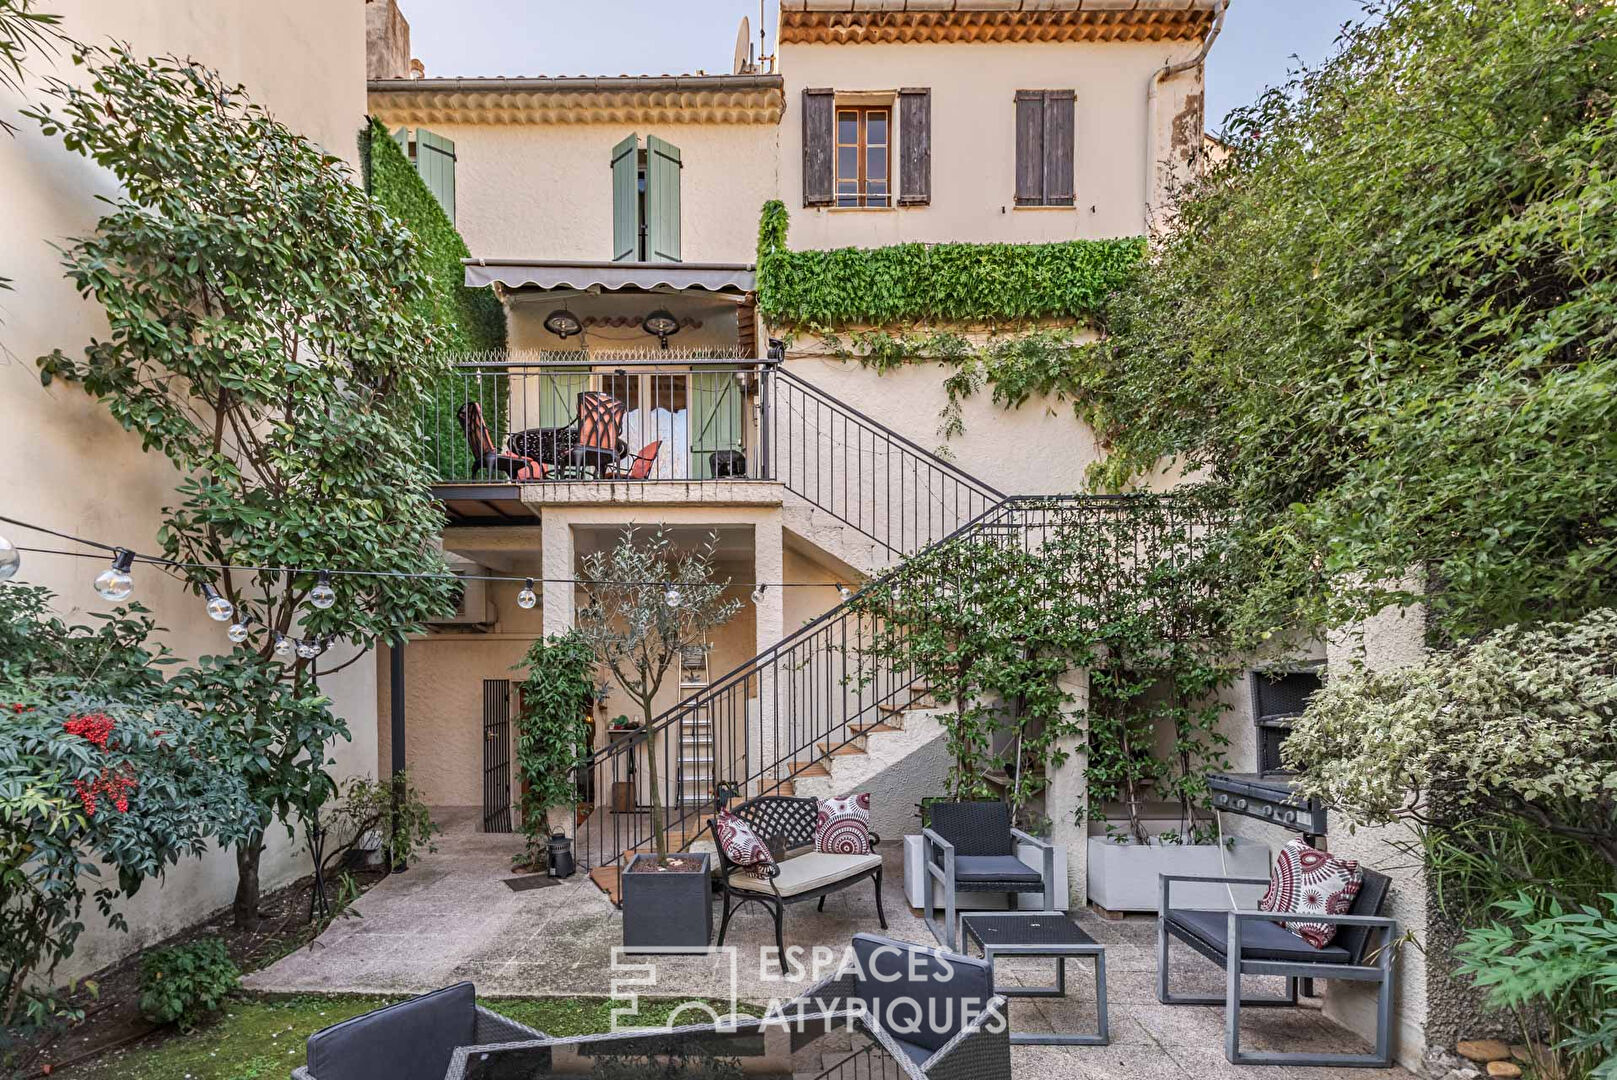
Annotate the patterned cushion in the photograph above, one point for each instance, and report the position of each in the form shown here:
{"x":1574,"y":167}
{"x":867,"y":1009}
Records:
{"x":742,"y":846}
{"x":1308,"y":881}
{"x":843,"y":827}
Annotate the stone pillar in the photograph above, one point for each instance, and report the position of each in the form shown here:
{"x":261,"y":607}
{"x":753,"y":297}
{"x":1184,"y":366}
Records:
{"x":769,"y":613}
{"x":1393,"y":638}
{"x":558,"y":562}
{"x":1068,"y":794}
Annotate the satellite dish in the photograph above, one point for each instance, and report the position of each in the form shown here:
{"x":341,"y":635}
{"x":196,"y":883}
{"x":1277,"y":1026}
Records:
{"x":743,"y":60}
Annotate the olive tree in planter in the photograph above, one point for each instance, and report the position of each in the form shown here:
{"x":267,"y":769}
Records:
{"x":553,"y":732}
{"x":264,"y":336}
{"x":646,"y":602}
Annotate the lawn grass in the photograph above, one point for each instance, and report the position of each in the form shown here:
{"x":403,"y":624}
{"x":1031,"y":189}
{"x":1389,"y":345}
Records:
{"x":258,"y":1038}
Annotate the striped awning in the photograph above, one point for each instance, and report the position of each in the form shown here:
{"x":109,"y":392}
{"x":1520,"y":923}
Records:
{"x":736,"y":278}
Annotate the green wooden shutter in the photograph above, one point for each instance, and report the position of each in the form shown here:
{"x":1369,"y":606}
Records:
{"x":435,"y":161}
{"x":662,"y":200}
{"x":715,"y":418}
{"x":626,"y":200}
{"x":559,"y":390}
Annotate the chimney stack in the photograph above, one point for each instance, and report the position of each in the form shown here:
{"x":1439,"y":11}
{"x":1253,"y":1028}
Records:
{"x":387,"y":41}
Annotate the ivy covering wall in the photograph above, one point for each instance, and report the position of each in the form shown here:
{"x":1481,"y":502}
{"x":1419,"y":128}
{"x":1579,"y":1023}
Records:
{"x":908,"y":283}
{"x":465,"y":320}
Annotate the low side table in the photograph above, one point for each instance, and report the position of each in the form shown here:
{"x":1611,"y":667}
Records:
{"x":1049,"y":934}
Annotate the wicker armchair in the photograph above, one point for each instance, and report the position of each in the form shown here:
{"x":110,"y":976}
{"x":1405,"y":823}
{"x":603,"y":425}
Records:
{"x":810,"y":875}
{"x":412,"y":1040}
{"x":971,"y":847}
{"x":934,"y":1013}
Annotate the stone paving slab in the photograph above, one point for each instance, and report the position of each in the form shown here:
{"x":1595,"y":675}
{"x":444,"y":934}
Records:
{"x":452,"y":917}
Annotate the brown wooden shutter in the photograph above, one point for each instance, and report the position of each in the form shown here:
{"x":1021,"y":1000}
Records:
{"x":819,"y":138}
{"x":915,"y":146}
{"x":1029,"y":147}
{"x":1058,"y":138}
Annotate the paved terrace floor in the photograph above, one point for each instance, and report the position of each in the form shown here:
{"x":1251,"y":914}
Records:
{"x":451,"y":916}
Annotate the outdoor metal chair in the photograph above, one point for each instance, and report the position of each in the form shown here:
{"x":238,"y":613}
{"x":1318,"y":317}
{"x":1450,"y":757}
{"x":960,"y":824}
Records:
{"x":788,"y":822}
{"x":1254,"y":943}
{"x":412,"y":1040}
{"x":640,"y":466}
{"x":934,"y":1013}
{"x":486,"y":457}
{"x":600,"y":432}
{"x":970,"y":847}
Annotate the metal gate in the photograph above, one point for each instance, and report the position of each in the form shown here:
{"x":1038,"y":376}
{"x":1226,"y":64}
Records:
{"x":496,"y":755}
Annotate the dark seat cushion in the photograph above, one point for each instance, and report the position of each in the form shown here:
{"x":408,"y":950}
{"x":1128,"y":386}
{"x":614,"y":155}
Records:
{"x":917,"y":995}
{"x":914,"y":1051}
{"x":995,"y":868}
{"x":412,"y":1040}
{"x":1259,"y":940}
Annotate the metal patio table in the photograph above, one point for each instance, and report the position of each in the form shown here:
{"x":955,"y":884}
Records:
{"x":1049,"y":934}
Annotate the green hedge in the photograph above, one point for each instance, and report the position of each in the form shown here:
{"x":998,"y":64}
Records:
{"x":936,"y":282}
{"x":464,"y":320}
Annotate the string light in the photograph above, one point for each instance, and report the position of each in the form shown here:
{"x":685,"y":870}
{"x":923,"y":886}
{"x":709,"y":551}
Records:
{"x":844,"y":592}
{"x":758,"y":593}
{"x":323,"y":595}
{"x":114,"y":583}
{"x":283,"y":645}
{"x":308,"y":650}
{"x":10,"y":559}
{"x":673,"y":596}
{"x":219,"y":609}
{"x":238,"y":631}
{"x":526,"y":599}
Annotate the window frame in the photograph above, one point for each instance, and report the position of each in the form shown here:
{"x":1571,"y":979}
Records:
{"x":861,"y":198}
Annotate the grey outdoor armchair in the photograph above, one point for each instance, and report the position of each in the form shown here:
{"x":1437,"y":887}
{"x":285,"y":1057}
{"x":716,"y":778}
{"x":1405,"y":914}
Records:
{"x":934,"y":1013}
{"x":971,"y":847}
{"x":1254,"y":943}
{"x":412,"y":1040}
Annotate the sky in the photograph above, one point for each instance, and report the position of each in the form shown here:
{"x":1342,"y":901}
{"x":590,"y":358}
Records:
{"x":1257,"y":48}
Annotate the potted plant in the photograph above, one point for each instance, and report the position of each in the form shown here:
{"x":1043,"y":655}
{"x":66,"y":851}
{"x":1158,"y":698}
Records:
{"x":646,"y":603}
{"x":554,"y":732}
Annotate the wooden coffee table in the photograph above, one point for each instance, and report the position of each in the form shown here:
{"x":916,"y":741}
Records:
{"x":1042,"y":933}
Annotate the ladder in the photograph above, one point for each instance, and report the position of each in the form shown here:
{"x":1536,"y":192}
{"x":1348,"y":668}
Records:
{"x":698,"y":751}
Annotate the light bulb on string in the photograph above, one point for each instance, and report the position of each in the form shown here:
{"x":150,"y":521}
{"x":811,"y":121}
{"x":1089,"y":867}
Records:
{"x":844,"y":592}
{"x":308,"y":650}
{"x":526,"y":599}
{"x":238,"y":632}
{"x":219,"y":609}
{"x":283,"y":645}
{"x":114,"y":583}
{"x":322,"y":595}
{"x":10,"y":559}
{"x":758,"y":594}
{"x":673,"y":596}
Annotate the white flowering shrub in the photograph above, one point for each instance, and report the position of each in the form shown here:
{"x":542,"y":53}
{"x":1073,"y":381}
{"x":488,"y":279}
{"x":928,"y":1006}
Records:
{"x":1523,"y":720}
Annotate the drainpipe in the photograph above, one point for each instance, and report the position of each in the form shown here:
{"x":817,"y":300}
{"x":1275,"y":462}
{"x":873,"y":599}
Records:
{"x":1167,"y":71}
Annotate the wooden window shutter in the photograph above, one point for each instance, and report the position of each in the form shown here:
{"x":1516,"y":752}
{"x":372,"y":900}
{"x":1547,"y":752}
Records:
{"x":1029,"y":147}
{"x":626,"y":200}
{"x":819,"y":134}
{"x":1058,"y":138}
{"x":435,"y":161}
{"x":1044,"y":147}
{"x":915,"y":146}
{"x":662,"y":200}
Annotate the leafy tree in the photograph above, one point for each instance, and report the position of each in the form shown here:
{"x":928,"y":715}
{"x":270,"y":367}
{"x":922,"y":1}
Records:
{"x":646,"y":602}
{"x":264,"y":337}
{"x":553,"y":728}
{"x":1384,"y":327}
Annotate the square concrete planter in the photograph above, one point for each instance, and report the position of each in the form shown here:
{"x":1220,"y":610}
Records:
{"x":1124,"y":877}
{"x":672,"y":907}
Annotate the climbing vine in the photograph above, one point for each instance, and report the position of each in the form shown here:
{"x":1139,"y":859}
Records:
{"x":986,"y":283}
{"x":553,"y":729}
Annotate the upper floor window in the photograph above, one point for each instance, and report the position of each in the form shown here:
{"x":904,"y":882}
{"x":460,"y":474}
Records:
{"x":864,"y":142}
{"x":645,"y":200}
{"x":1044,"y":154}
{"x":434,"y":158}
